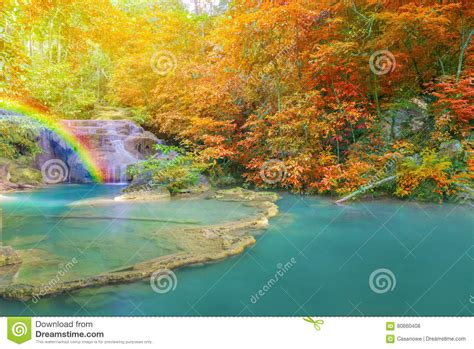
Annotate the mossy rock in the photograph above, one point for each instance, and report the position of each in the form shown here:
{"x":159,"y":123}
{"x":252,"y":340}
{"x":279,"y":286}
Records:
{"x":4,"y":161}
{"x":115,"y":113}
{"x":157,"y":194}
{"x":25,"y":161}
{"x":20,"y":171}
{"x":452,"y":150}
{"x":25,"y":175}
{"x":223,"y":181}
{"x":8,"y":256}
{"x":241,"y":194}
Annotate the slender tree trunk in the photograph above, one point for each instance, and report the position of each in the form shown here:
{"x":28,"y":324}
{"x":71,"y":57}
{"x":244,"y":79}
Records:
{"x":408,"y":46}
{"x":50,"y":41}
{"x":59,"y":50}
{"x":197,"y":8}
{"x":30,"y":45}
{"x":461,"y":55}
{"x":278,"y":86}
{"x":376,"y":96}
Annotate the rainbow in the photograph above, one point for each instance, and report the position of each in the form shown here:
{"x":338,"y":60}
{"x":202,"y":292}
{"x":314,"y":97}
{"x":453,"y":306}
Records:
{"x":85,"y":154}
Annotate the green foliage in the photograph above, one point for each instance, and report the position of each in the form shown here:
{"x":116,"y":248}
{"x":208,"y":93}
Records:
{"x":62,"y":88}
{"x":426,"y":178}
{"x":16,"y":140}
{"x":427,"y":191}
{"x":176,"y":170}
{"x":139,"y":115}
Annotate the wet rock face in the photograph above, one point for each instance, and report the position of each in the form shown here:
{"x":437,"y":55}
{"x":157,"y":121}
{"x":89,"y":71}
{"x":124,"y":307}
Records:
{"x":116,"y":144}
{"x":405,"y":122}
{"x":54,"y":147}
{"x":451,"y":149}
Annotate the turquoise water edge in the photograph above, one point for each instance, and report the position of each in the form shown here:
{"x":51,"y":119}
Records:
{"x":329,"y":252}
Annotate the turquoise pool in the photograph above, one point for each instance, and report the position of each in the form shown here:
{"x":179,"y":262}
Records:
{"x":315,"y":259}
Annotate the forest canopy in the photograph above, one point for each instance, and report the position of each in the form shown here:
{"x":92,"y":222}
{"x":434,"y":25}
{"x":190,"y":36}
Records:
{"x":311,"y":96}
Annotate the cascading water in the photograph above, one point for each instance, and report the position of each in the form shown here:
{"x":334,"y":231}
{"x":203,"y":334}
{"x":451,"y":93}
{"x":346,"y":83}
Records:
{"x":117,"y":144}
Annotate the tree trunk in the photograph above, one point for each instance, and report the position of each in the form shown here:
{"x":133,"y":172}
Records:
{"x":365,"y":188}
{"x":461,"y":55}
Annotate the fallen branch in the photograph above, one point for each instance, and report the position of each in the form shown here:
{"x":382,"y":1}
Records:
{"x":465,"y":187}
{"x":365,"y":188}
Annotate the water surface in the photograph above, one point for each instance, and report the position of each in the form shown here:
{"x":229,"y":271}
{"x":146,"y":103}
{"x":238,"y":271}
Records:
{"x":330,"y":252}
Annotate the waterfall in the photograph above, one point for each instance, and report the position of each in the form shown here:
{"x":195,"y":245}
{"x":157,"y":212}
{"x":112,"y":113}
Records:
{"x":117,"y":144}
{"x":116,"y":174}
{"x":123,"y":173}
